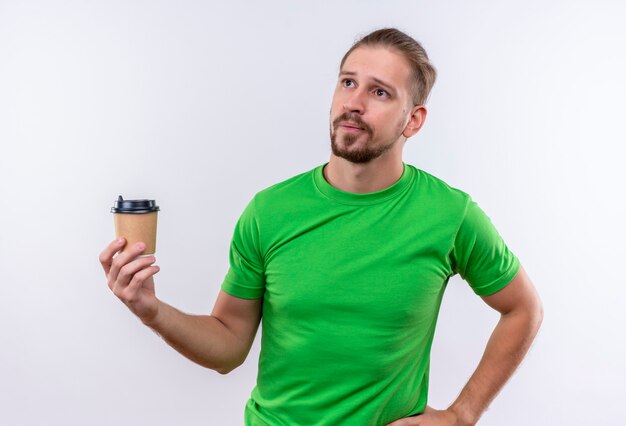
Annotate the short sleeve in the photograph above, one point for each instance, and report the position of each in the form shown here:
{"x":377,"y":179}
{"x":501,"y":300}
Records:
{"x":246,"y":276}
{"x":480,"y":255}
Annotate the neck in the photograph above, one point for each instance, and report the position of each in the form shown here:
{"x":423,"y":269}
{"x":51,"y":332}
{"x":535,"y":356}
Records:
{"x":374,"y":176}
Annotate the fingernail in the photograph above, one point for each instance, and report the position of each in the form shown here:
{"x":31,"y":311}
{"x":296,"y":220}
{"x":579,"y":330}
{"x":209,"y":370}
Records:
{"x":120,"y":240}
{"x":140,"y":246}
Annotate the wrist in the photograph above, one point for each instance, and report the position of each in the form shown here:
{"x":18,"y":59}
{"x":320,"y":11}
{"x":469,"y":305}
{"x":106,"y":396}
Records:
{"x":464,"y":416}
{"x":155,"y":320}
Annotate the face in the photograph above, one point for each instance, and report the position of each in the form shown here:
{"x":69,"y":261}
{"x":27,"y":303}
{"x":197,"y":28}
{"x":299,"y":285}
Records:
{"x":371,"y":105}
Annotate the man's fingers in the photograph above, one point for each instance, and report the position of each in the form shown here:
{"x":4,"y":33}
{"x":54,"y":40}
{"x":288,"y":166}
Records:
{"x":106,"y":257}
{"x":127,"y":272}
{"x":130,"y":293}
{"x":122,"y":259}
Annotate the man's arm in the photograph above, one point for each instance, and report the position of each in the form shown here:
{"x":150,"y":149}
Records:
{"x":220,"y":341}
{"x":521,"y":316}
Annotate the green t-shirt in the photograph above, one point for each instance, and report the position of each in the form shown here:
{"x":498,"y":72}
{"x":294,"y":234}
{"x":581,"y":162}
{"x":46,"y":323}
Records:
{"x":351,"y":286}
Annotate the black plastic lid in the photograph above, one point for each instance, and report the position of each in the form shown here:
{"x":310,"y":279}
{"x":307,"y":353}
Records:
{"x":134,"y":206}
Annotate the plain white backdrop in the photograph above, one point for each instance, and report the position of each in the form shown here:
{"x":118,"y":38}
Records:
{"x":199,"y":105}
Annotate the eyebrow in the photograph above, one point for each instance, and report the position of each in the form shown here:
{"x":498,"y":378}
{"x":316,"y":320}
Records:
{"x":376,"y":80}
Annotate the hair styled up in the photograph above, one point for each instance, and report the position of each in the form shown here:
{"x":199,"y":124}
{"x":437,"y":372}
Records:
{"x":424,"y":74}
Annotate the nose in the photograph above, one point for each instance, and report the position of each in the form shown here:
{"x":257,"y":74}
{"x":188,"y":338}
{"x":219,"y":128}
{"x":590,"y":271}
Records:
{"x":354,"y":102}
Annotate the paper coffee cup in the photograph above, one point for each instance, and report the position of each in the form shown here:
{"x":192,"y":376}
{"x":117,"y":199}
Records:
{"x":136,"y":221}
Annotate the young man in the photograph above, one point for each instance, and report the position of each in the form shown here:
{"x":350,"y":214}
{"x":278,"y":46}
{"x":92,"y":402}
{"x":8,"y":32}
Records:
{"x":347,"y":265}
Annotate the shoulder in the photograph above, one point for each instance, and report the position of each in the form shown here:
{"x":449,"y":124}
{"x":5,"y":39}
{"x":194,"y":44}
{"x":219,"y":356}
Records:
{"x":439,"y":192}
{"x":287,"y":184}
{"x":285,"y":192}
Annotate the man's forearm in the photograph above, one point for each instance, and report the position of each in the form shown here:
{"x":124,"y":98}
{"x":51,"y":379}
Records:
{"x":505,"y":350}
{"x":203,"y":339}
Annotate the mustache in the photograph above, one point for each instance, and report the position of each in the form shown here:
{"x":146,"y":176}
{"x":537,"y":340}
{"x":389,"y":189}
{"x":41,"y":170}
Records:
{"x":354,"y":118}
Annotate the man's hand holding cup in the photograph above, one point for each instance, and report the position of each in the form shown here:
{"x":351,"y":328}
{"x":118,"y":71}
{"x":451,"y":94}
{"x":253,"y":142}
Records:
{"x":128,"y":262}
{"x":129,"y":276}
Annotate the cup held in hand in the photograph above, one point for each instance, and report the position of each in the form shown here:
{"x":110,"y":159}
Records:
{"x":136,"y":221}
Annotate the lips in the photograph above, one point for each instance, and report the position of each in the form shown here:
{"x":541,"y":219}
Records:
{"x":349,"y":125}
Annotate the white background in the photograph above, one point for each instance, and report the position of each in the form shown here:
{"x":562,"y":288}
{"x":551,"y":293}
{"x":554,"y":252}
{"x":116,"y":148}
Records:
{"x":201,"y":104}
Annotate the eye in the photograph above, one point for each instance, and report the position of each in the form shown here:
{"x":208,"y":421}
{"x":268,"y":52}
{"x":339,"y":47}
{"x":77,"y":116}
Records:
{"x":381,"y":93}
{"x":347,"y":82}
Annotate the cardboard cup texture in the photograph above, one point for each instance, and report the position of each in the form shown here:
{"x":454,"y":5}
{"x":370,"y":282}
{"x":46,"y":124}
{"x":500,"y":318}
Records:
{"x":137,"y":228}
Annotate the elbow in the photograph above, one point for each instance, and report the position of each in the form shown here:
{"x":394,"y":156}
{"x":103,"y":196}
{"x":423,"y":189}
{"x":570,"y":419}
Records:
{"x":529,"y":315}
{"x":227,"y":368}
{"x":539,"y":314}
{"x":534,"y":316}
{"x":532,"y":310}
{"x":538,"y":311}
{"x":223,"y":371}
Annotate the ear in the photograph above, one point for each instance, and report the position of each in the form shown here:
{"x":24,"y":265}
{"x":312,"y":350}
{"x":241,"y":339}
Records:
{"x":416,"y":121}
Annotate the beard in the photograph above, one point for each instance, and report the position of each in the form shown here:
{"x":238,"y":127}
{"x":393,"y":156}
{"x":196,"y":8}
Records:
{"x":358,"y":155}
